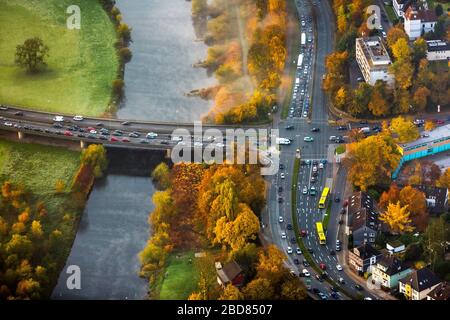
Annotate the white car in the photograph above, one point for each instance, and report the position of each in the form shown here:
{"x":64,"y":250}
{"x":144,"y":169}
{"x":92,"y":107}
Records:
{"x":289,"y":250}
{"x":78,"y":118}
{"x":298,"y":251}
{"x":339,"y":267}
{"x":93,"y":131}
{"x":58,"y":118}
{"x":177,"y":138}
{"x":152,"y":135}
{"x":8,"y":124}
{"x":280,"y":219}
{"x":282,"y":176}
{"x":283,"y":235}
{"x":306,"y":273}
{"x":367,"y":298}
{"x":321,"y":165}
{"x":305,"y":190}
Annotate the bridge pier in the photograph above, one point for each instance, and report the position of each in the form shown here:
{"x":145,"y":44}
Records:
{"x":168,"y":153}
{"x":21,"y":135}
{"x":82,"y":145}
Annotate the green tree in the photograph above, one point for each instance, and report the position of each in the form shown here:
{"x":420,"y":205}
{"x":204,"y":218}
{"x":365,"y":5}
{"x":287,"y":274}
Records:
{"x":95,"y":156}
{"x":435,"y":237}
{"x":31,"y":54}
{"x":161,"y":175}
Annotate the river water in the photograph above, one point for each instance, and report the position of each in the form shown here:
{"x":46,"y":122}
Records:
{"x":114,"y":227}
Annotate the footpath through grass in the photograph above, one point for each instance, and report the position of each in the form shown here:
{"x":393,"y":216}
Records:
{"x":82,"y":63}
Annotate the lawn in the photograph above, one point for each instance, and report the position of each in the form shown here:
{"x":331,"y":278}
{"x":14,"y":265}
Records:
{"x":390,"y":12}
{"x":181,"y":277}
{"x":37,"y":168}
{"x":81,"y":64}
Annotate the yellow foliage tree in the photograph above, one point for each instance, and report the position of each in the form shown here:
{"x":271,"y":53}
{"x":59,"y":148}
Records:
{"x":405,"y":129}
{"x":397,"y":218}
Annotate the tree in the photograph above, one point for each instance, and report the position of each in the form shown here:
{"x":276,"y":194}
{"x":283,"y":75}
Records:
{"x":60,"y":186}
{"x":293,"y":289}
{"x":95,"y":157}
{"x":19,"y":245}
{"x":397,"y":218}
{"x":125,"y":54}
{"x":420,"y":98}
{"x":439,"y":10}
{"x":36,"y":229}
{"x":118,"y":85}
{"x":231,"y":293}
{"x":429,"y":125}
{"x":259,"y":289}
{"x":271,"y":264}
{"x":416,"y":202}
{"x":31,"y":55}
{"x":124,"y":32}
{"x":405,"y":129}
{"x":378,"y":104}
{"x":419,"y":50}
{"x":395,"y":34}
{"x":161,"y":175}
{"x":372,"y":161}
{"x":390,"y":196}
{"x":435,"y":237}
{"x":444,"y":180}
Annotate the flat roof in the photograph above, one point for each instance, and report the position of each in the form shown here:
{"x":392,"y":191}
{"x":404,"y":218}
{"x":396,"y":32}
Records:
{"x":440,"y":133}
{"x":374,"y":50}
{"x":437,"y":45}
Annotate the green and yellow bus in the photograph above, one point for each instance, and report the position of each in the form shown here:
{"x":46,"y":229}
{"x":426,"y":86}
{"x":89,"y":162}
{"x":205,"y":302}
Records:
{"x":324,"y":198}
{"x":320,"y":233}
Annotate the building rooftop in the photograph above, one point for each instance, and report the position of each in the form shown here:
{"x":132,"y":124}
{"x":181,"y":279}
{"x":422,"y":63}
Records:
{"x":441,"y":133}
{"x":230,"y":271}
{"x":366,"y":251}
{"x":436,"y":198}
{"x":441,"y":292}
{"x":437,"y":45}
{"x":374,"y":51}
{"x":421,"y":279}
{"x":392,"y":265}
{"x":415,"y":12}
{"x":363,"y":210}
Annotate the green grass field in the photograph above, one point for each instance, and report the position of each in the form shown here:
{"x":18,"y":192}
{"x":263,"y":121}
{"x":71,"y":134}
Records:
{"x":81,"y":64}
{"x":37,"y":168}
{"x":181,"y":279}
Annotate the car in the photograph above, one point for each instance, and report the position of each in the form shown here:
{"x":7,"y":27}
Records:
{"x":439,"y":121}
{"x":58,"y":118}
{"x":93,"y":131}
{"x":338,"y":267}
{"x":289,"y":250}
{"x":338,"y":248}
{"x":281,"y":166}
{"x":151,"y":135}
{"x":78,"y":118}
{"x":117,"y":133}
{"x":321,"y":165}
{"x":298,"y":251}
{"x":280,"y":219}
{"x":103,"y":138}
{"x":18,"y":113}
{"x":313,"y":179}
{"x":312,"y":190}
{"x":81,"y":135}
{"x":68,"y":133}
{"x":310,"y":250}
{"x":125,"y":139}
{"x":289,"y":127}
{"x":335,"y":295}
{"x":341,"y":221}
{"x":315,"y":290}
{"x":345,"y":204}
{"x":164,"y":142}
{"x":293,"y":240}
{"x":126,"y":123}
{"x":332,"y":253}
{"x":337,"y":199}
{"x":114,"y":139}
{"x":143,"y":141}
{"x":308,"y":139}
{"x":99,"y":124}
{"x":318,"y":278}
{"x":315,"y":174}
{"x":282,"y":175}
{"x":283,"y":235}
{"x":305,"y":263}
{"x":303,"y":233}
{"x":280,"y":189}
{"x":134,"y":135}
{"x":314,"y":168}
{"x":8,"y":124}
{"x":341,"y":280}
{"x":3,"y":108}
{"x":363,"y":122}
{"x":322,"y":266}
{"x":322,"y":296}
{"x":342,"y":128}
{"x":308,"y":162}
{"x":367,"y":298}
{"x":280,"y":199}
{"x":289,"y":226}
{"x":296,"y":261}
{"x":305,"y":190}
{"x":306,"y":273}
{"x":358,"y":287}
{"x":92,"y":136}
{"x":315,"y":130}
{"x":334,"y":289}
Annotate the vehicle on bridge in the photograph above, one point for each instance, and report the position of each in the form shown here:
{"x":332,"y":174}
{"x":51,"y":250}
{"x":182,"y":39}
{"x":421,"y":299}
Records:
{"x":324,"y":198}
{"x":320,"y":233}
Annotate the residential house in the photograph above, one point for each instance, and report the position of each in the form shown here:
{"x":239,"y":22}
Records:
{"x":364,"y":214}
{"x":436,"y":197}
{"x":395,"y":247}
{"x":438,"y":50}
{"x":231,"y":273}
{"x":400,"y":6}
{"x":440,"y":292}
{"x":362,"y":257}
{"x":418,"y":21}
{"x":388,"y":271}
{"x":373,"y":60}
{"x":418,"y":284}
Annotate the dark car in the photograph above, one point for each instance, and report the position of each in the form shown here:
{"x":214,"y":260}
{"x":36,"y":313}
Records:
{"x":57,"y":125}
{"x":315,"y":290}
{"x":103,"y":138}
{"x":319,"y":278}
{"x":310,"y":250}
{"x":126,"y":123}
{"x":363,"y":122}
{"x":18,"y":113}
{"x":337,"y":199}
{"x":334,"y":289}
{"x":343,"y":211}
{"x":281,"y":166}
{"x":315,"y":129}
{"x":358,"y":287}
{"x":305,"y":263}
{"x":164,"y":142}
{"x":342,"y":128}
{"x":280,"y":189}
{"x":332,"y":253}
{"x":335,"y":295}
{"x":290,"y":127}
{"x":99,"y":124}
{"x":296,"y":261}
{"x":143,"y":141}
{"x":280,"y":200}
{"x":289,"y":226}
{"x":293,"y":240}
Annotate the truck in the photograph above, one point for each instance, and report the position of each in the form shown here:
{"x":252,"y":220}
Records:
{"x":365,"y":130}
{"x":300,"y":61}
{"x":284,"y":141}
{"x":303,"y":39}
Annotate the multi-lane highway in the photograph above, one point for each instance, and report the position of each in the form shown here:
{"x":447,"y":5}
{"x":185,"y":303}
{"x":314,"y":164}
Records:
{"x":321,"y":149}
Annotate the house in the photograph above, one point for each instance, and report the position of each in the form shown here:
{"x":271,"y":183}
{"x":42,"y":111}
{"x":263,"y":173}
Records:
{"x":364,"y":213}
{"x":418,"y":284}
{"x":231,"y":273}
{"x":400,"y":6}
{"x":373,"y":60}
{"x":440,"y":292}
{"x":395,"y":247}
{"x":418,"y":21}
{"x":438,"y":50}
{"x":362,"y":257}
{"x":436,"y":197}
{"x":388,"y":271}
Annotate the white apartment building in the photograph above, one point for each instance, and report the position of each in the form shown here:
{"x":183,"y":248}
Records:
{"x":438,"y":50}
{"x":419,"y":21}
{"x":373,"y":60}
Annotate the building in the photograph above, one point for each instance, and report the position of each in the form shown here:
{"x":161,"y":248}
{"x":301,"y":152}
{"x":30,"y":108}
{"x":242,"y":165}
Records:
{"x":400,"y":6}
{"x":364,"y":214}
{"x":438,"y":140}
{"x":418,"y":284}
{"x":440,"y":292}
{"x":395,"y":247}
{"x":231,"y":273}
{"x":362,"y":257}
{"x":436,"y":197}
{"x":418,"y":21}
{"x":388,"y":271}
{"x":438,"y":50}
{"x":373,"y":60}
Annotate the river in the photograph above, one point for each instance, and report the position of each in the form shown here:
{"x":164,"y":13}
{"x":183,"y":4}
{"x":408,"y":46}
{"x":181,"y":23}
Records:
{"x":114,"y":227}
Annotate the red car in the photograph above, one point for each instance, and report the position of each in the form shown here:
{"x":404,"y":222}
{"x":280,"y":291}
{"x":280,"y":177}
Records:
{"x":303,"y":233}
{"x":439,"y":121}
{"x":114,"y":139}
{"x":345,"y":203}
{"x":322,"y":266}
{"x":125,"y":140}
{"x":68,"y":133}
